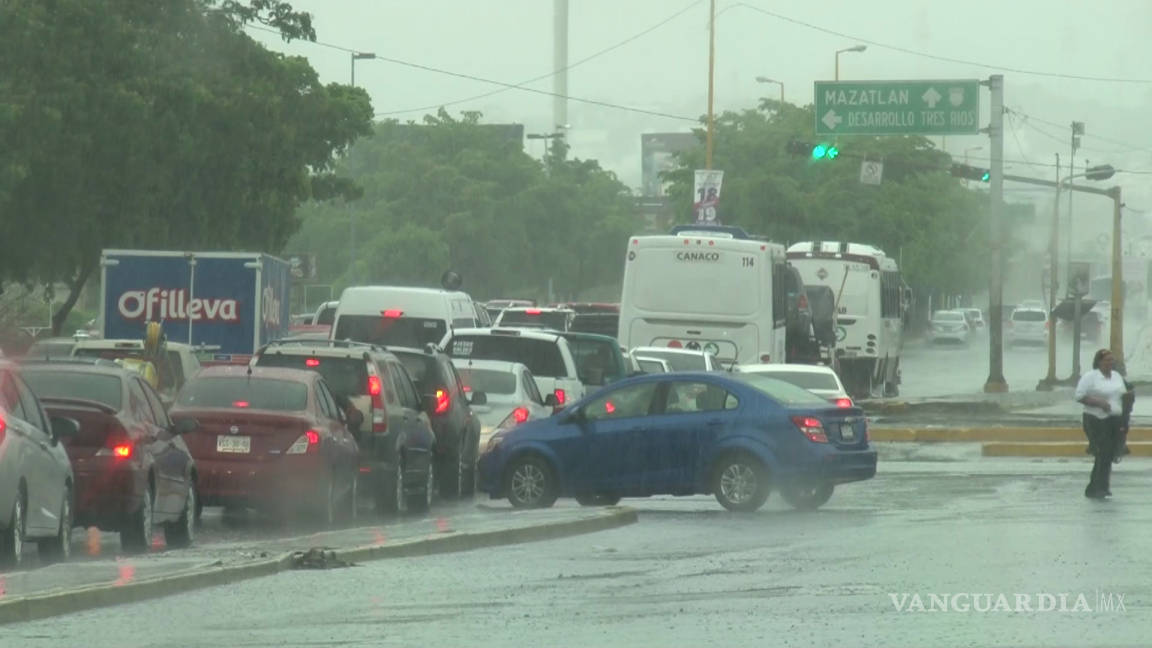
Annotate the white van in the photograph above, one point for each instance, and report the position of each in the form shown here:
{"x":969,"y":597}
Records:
{"x":399,"y":316}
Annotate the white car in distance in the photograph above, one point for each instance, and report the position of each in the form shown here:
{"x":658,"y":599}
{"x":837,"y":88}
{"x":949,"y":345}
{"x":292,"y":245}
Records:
{"x":818,"y":379}
{"x":513,"y":397}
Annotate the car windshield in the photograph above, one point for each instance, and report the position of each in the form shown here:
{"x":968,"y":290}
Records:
{"x":597,"y":361}
{"x":489,"y":381}
{"x":395,"y":331}
{"x":556,"y":320}
{"x":650,"y":366}
{"x":101,"y":388}
{"x":678,"y":361}
{"x":780,"y":391}
{"x":1029,"y":316}
{"x":327,"y":315}
{"x":948,"y":317}
{"x":542,"y":357}
{"x":804,"y":379}
{"x":345,"y":376}
{"x":245,"y":393}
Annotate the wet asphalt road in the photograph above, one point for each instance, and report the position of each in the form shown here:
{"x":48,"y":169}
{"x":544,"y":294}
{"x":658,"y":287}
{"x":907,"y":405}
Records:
{"x":691,"y":574}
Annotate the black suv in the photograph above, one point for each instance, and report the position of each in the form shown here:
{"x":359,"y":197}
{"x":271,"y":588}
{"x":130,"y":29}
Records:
{"x":446,"y":403}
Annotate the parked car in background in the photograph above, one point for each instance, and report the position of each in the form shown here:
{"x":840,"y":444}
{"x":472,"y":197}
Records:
{"x":818,"y":379}
{"x":948,"y":326}
{"x":132,"y":467}
{"x":401,"y":316}
{"x":175,"y":366}
{"x":510,"y":394}
{"x":52,"y":347}
{"x":556,"y":319}
{"x":270,"y":438}
{"x":325,"y":314}
{"x":1027,"y":326}
{"x":680,"y":359}
{"x":735,"y":436}
{"x":36,"y":480}
{"x":975,"y":319}
{"x":384,"y":413}
{"x":599,"y":360}
{"x":448,"y":407}
{"x":546,"y":354}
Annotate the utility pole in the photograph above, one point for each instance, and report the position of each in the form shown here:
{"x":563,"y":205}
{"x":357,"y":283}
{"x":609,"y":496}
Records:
{"x":1116,"y":343}
{"x":1077,"y":131}
{"x":996,"y":382}
{"x":356,"y":56}
{"x":711,"y":80}
{"x":1053,"y":272}
{"x":560,"y":62}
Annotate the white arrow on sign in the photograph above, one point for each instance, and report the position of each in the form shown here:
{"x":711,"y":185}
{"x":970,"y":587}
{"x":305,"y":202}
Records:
{"x":931,"y":97}
{"x":831,"y":119}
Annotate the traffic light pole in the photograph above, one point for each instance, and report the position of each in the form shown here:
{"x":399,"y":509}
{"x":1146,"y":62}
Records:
{"x":1116,"y":342}
{"x":996,"y":382}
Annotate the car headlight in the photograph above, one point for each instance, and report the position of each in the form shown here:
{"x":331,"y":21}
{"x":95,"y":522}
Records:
{"x":494,"y":441}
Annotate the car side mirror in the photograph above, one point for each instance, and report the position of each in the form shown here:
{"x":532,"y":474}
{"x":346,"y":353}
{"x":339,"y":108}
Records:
{"x":478,"y":398}
{"x":64,"y":427}
{"x":185,"y":425}
{"x":551,"y":400}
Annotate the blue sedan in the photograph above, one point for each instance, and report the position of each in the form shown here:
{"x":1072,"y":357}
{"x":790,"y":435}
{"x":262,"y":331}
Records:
{"x":736,"y":436}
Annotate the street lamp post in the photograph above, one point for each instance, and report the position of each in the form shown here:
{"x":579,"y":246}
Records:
{"x":546,"y":137}
{"x":855,"y":48}
{"x":359,"y":56}
{"x":356,"y":56}
{"x":764,"y":79}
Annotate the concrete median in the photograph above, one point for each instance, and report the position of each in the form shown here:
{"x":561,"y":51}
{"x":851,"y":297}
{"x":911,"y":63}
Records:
{"x":1013,"y":434}
{"x":1054,"y":449}
{"x":64,"y":601}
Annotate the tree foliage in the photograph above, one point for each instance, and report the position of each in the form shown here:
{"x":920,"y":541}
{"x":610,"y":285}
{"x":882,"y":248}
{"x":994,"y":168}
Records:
{"x":456,"y":193}
{"x":157,"y":125}
{"x":919,"y":212}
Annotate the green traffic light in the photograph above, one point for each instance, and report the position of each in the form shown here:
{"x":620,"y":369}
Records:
{"x":833,"y":152}
{"x":819,"y":151}
{"x":986,"y":176}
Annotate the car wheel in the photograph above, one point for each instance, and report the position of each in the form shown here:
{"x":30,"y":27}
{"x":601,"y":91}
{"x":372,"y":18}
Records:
{"x":452,"y":474}
{"x":181,"y":532}
{"x":807,"y":498}
{"x":598,"y":500}
{"x":59,"y":547}
{"x":12,"y":541}
{"x":136,"y":535}
{"x":740,"y":483}
{"x":390,"y":498}
{"x":324,"y":509}
{"x":352,"y":501}
{"x":421,"y":502}
{"x":529,"y":482}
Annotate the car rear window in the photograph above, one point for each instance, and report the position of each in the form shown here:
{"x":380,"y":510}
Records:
{"x":679,"y":361}
{"x":780,"y":391}
{"x":422,"y":368}
{"x":50,"y":349}
{"x":489,"y":381}
{"x":101,"y":388}
{"x":597,"y":361}
{"x":251,"y":393}
{"x":326,"y":316}
{"x":948,"y":317}
{"x":803,"y":379}
{"x":555,"y":320}
{"x":542,"y":357}
{"x":393,"y":331}
{"x":1028,"y":316}
{"x":345,"y":376}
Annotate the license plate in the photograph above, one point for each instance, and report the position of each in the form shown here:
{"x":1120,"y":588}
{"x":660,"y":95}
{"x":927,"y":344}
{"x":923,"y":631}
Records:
{"x":234,"y":444}
{"x":847,"y":432}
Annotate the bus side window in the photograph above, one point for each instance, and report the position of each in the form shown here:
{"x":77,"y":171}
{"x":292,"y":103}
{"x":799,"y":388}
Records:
{"x":779,"y":293}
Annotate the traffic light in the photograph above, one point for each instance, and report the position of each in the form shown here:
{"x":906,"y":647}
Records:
{"x":821,"y":151}
{"x":970,"y":172}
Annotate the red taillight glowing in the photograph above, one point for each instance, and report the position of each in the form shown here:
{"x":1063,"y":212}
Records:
{"x":843,"y":402}
{"x":561,"y":396}
{"x":374,"y":386}
{"x":520,"y":414}
{"x":531,"y":311}
{"x":811,"y":427}
{"x":3,"y":427}
{"x":240,"y":404}
{"x":609,"y":407}
{"x":392,"y":313}
{"x":312,"y":362}
{"x":442,"y":402}
{"x":122,"y":451}
{"x":313,"y":437}
{"x":675,"y":344}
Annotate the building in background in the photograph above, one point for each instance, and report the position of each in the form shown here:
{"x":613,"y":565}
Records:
{"x":659,"y":153}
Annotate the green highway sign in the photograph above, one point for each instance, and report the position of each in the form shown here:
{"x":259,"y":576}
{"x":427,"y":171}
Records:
{"x":947,"y":107}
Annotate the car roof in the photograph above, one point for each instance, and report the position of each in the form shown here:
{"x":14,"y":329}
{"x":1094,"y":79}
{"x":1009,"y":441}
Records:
{"x":798,"y":368}
{"x":531,"y":334}
{"x":542,"y":309}
{"x":242,"y":371}
{"x":73,"y":363}
{"x":322,"y":348}
{"x":492,"y":365}
{"x":127,"y":345}
{"x":652,"y":349}
{"x":592,"y":337}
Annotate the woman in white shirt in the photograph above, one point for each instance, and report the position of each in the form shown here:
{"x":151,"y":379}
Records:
{"x":1100,"y":391}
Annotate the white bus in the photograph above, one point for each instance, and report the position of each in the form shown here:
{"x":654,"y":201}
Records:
{"x":869,"y":310}
{"x":711,"y":288}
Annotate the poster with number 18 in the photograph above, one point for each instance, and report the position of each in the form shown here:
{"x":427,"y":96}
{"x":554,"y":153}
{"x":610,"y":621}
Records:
{"x":706,"y":194}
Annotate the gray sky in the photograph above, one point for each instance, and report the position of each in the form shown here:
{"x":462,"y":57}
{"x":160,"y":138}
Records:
{"x":666,"y":70}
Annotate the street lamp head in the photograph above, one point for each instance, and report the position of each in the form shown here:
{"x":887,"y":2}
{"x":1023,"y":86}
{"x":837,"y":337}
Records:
{"x":856,"y":48}
{"x":764,"y":79}
{"x":360,"y":56}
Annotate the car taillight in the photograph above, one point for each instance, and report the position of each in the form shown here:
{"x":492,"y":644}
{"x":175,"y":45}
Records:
{"x":531,"y":311}
{"x":374,"y":386}
{"x":312,"y":362}
{"x":843,"y":402}
{"x":376,"y":391}
{"x":675,"y":344}
{"x":561,"y":396}
{"x":811,"y":427}
{"x":392,"y":314}
{"x":3,"y":427}
{"x":306,"y":442}
{"x":520,"y":414}
{"x":122,"y":451}
{"x":117,"y":445}
{"x":442,"y":401}
{"x":240,"y":404}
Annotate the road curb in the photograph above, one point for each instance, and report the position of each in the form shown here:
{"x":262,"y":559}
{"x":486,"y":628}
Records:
{"x":50,"y":604}
{"x":1054,"y":449}
{"x":1016,"y":434}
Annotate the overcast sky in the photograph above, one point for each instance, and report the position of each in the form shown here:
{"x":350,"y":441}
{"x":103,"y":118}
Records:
{"x":666,"y":70}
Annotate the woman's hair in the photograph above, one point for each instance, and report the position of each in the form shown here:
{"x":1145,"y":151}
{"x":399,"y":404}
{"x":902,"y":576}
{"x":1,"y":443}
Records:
{"x":1098,"y":357}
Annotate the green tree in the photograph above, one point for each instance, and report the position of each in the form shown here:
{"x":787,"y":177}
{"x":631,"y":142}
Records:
{"x":151,"y":125}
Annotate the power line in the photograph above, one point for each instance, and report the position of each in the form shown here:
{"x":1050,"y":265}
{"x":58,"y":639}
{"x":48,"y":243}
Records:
{"x":552,"y":73}
{"x":905,"y":50}
{"x":1062,"y":127}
